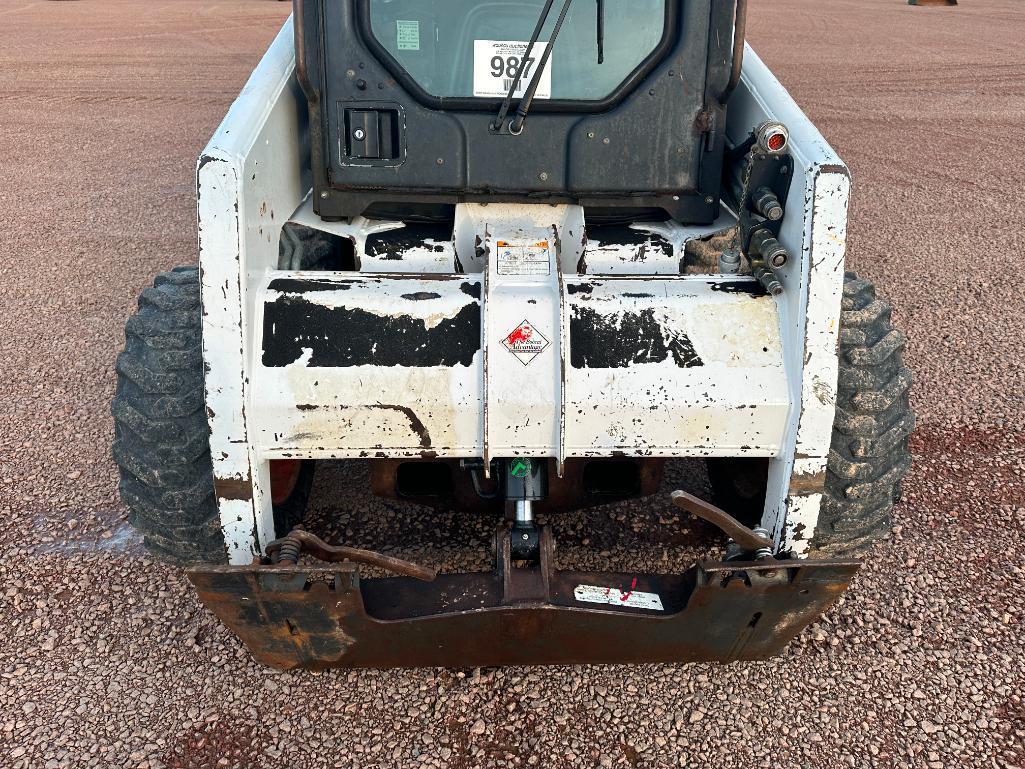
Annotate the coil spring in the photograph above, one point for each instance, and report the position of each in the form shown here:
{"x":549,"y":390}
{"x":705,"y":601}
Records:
{"x":763,"y":552}
{"x":289,"y":551}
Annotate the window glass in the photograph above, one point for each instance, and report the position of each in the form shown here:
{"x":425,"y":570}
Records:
{"x":467,"y":48}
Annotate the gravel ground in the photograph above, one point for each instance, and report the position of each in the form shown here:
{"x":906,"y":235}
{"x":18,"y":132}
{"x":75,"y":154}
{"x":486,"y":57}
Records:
{"x":108,"y":660}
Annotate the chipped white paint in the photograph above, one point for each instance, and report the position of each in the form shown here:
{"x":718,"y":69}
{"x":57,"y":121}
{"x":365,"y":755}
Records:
{"x":249,"y":179}
{"x":735,"y":403}
{"x":746,"y":399}
{"x":802,"y":516}
{"x":431,"y":257}
{"x":617,"y":259}
{"x":810,"y":304}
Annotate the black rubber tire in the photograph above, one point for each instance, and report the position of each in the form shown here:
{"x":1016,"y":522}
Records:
{"x":161,"y":439}
{"x":869,"y":455}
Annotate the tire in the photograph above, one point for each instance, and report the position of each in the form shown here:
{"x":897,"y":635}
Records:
{"x":161,"y":438}
{"x":869,"y":453}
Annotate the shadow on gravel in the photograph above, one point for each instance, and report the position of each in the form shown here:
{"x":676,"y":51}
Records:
{"x":635,"y":535}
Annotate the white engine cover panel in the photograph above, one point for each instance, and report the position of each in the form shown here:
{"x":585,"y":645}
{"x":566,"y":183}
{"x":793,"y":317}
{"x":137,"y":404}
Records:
{"x":671,"y":367}
{"x":358,"y":365}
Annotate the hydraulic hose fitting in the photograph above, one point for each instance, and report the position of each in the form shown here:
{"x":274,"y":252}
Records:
{"x":767,"y":278}
{"x":767,"y":204}
{"x":729,"y":262}
{"x":769,"y":249}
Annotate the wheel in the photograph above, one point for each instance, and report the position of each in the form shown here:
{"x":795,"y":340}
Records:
{"x":869,"y":454}
{"x":161,"y":439}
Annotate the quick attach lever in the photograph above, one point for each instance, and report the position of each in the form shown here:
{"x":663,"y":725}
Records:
{"x":751,"y":541}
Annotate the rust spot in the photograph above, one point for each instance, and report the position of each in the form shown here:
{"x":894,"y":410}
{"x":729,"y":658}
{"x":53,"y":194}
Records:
{"x":234,"y":488}
{"x":807,"y":483}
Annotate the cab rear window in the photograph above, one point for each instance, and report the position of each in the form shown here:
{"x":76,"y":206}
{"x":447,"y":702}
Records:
{"x":472,"y":49}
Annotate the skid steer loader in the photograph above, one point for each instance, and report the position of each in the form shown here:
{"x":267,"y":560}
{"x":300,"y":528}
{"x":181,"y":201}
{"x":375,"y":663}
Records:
{"x":516,"y":255}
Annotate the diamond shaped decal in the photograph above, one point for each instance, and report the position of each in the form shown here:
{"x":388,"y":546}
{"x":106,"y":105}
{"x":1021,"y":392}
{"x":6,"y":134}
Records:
{"x":525,"y":342}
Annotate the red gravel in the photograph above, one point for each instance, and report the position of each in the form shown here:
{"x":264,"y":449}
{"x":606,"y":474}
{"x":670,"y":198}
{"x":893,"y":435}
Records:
{"x":107,"y":660}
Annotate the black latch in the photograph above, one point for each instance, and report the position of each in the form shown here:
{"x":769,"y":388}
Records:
{"x":372,"y":134}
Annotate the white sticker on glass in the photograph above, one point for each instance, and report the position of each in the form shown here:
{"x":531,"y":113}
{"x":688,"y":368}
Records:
{"x":407,"y":35}
{"x":496,"y":62}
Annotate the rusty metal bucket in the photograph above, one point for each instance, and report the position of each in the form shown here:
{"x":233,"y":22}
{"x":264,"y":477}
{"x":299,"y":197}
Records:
{"x":317,"y":617}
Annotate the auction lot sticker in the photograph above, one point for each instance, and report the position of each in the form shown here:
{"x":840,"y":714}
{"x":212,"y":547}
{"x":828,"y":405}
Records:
{"x":495,"y":63}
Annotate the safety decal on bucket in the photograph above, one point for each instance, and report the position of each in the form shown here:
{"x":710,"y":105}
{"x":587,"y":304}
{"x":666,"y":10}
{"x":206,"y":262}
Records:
{"x":525,"y":342}
{"x":635,"y":599}
{"x":524,"y":258}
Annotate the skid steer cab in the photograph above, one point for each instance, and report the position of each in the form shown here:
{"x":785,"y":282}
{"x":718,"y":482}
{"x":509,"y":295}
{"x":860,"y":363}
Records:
{"x":516,"y":256}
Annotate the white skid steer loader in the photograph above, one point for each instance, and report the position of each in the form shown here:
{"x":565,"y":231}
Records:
{"x":516,"y":255}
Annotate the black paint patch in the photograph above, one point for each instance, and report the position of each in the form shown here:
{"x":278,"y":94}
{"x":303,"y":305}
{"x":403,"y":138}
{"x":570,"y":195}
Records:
{"x":394,"y":243}
{"x":579,"y":288}
{"x":626,"y":239}
{"x":752,"y":287}
{"x":625,"y":339}
{"x":305,"y":285}
{"x":349,"y":336}
{"x":421,"y":296}
{"x":471,"y":289}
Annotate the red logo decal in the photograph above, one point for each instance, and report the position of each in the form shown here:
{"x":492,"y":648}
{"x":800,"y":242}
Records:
{"x":520,"y":334}
{"x":525,"y":342}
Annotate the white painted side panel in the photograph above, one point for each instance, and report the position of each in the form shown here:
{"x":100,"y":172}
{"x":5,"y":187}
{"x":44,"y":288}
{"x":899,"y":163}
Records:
{"x":249,"y":180}
{"x":814,"y":228}
{"x":219,"y":254}
{"x":825,"y":288}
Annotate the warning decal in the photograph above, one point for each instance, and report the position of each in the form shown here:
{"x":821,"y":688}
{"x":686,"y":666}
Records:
{"x":635,"y":599}
{"x":524,"y":258}
{"x":525,"y":342}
